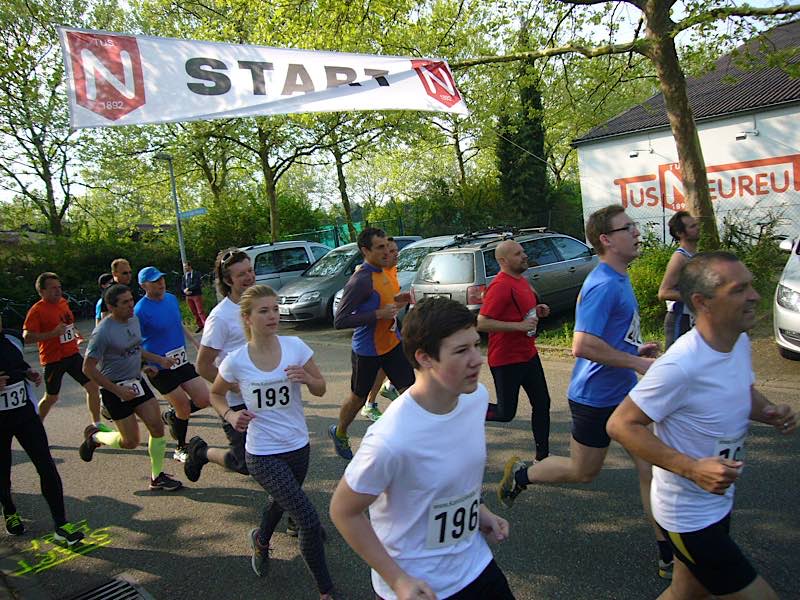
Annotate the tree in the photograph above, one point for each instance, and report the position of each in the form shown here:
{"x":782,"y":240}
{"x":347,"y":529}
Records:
{"x":658,"y":46}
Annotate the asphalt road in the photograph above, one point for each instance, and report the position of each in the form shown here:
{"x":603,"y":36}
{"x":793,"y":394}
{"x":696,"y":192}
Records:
{"x":567,"y":542}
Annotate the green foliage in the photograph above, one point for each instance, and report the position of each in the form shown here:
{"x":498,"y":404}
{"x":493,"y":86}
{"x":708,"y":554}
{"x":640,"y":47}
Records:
{"x":646,"y":274}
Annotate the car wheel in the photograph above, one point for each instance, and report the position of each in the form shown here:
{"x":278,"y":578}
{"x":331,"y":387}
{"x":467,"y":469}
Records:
{"x":788,"y":354}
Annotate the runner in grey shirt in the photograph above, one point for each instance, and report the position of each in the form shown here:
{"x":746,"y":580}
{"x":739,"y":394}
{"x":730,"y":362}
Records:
{"x":116,"y":348}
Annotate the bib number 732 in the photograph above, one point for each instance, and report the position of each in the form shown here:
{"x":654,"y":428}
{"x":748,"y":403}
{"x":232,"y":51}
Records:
{"x":453,"y":519}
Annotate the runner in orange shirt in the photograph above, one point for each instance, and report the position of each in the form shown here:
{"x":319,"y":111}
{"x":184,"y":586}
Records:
{"x":51,"y":325}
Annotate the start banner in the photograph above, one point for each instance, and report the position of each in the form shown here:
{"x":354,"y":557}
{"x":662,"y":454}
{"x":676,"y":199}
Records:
{"x":118,"y":79}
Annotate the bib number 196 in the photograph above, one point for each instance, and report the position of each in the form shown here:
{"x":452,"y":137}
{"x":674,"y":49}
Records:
{"x":452,"y":520}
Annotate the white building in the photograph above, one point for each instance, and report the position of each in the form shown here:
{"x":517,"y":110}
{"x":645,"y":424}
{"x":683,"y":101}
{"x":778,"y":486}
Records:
{"x":748,"y":121}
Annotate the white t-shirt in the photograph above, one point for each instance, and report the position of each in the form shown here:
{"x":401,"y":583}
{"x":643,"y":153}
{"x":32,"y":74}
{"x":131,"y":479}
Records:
{"x":700,"y":401}
{"x":279,"y":425}
{"x":426,"y":470}
{"x":223,"y":331}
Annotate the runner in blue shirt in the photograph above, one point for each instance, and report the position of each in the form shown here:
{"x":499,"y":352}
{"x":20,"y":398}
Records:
{"x":164,"y":334}
{"x":609,"y":351}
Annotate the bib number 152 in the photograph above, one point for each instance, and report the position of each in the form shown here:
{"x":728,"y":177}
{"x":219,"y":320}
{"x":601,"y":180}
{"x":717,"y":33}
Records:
{"x":453,"y":520}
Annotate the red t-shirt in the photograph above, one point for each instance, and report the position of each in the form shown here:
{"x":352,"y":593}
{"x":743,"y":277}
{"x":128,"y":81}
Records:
{"x":509,"y":299}
{"x":45,"y":316}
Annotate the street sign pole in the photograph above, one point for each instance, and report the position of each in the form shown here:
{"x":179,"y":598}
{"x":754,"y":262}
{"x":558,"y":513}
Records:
{"x":168,"y":158}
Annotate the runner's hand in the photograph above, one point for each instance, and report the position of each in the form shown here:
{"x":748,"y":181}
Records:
{"x":59,"y":329}
{"x":408,"y":588}
{"x":402,"y":299}
{"x":125,"y":394}
{"x":781,"y":417}
{"x":388,"y":311}
{"x":168,"y":363}
{"x":240,"y":419}
{"x":493,"y":528}
{"x":716,"y":474}
{"x":297,"y":374}
{"x":529,"y":323}
{"x":650,"y":349}
{"x":3,"y":380}
{"x":150,"y":371}
{"x":542,"y":310}
{"x":34,"y":377}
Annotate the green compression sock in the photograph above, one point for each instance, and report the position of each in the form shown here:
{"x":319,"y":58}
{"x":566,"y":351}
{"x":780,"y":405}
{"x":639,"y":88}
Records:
{"x":156,"y":448}
{"x":108,"y":438}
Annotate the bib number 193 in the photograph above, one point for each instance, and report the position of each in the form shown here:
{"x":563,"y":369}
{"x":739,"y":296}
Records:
{"x":267,"y":395}
{"x":452,"y":520}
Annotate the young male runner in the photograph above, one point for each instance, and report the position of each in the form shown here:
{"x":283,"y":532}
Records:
{"x":685,"y":229}
{"x":701,"y":396}
{"x":510,"y":311}
{"x":114,"y":361}
{"x":51,"y":325}
{"x":193,"y":290}
{"x":370,"y":303}
{"x":427,"y":532}
{"x":103,"y":282}
{"x":164,"y":334}
{"x":609,"y":351}
{"x":223,"y":333}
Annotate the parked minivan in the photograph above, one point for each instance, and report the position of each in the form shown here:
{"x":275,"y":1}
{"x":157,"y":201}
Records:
{"x":277,"y":264}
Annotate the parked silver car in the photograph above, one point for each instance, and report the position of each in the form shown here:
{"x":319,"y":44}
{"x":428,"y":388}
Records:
{"x":277,"y":264}
{"x":558,"y":264}
{"x":786,"y":307}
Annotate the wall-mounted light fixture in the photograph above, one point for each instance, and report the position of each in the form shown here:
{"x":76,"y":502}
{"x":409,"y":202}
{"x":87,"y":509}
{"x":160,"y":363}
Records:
{"x":742,"y":135}
{"x":635,"y":152}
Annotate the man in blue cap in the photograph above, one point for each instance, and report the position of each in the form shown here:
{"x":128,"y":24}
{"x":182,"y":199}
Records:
{"x":164,"y":334}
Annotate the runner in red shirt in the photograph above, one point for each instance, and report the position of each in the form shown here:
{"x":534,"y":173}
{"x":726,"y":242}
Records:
{"x":510,"y":313}
{"x":51,"y":325}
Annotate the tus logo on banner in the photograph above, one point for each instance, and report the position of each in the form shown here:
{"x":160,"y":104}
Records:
{"x":437,"y":81}
{"x":107,"y":73}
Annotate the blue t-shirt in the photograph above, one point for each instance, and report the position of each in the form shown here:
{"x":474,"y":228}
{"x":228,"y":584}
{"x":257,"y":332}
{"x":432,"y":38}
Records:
{"x":98,"y":309}
{"x":161,"y":323}
{"x":607,"y":309}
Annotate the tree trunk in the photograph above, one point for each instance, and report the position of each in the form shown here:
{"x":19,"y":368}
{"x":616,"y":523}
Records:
{"x":661,"y":51}
{"x":337,"y":155}
{"x":269,"y":183}
{"x":462,"y":171}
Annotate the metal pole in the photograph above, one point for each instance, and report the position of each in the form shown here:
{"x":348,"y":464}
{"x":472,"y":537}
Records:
{"x":177,"y":212}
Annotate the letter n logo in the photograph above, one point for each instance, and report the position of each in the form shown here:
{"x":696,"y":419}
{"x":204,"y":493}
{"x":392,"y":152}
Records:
{"x":107,"y":73}
{"x":437,"y":81}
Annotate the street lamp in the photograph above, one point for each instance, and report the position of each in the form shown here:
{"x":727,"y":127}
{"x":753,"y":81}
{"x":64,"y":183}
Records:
{"x":168,"y":158}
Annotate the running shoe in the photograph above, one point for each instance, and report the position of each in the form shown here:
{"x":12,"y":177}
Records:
{"x":88,"y":446}
{"x":68,"y":534}
{"x":291,"y":527}
{"x":341,"y":445}
{"x":389,"y":391}
{"x":260,"y":558}
{"x":14,"y":524}
{"x":371,"y":411}
{"x":168,"y":417}
{"x":165,"y":482}
{"x":194,"y":462}
{"x":665,"y":569}
{"x":103,"y":427}
{"x":180,"y":454}
{"x":508,"y":488}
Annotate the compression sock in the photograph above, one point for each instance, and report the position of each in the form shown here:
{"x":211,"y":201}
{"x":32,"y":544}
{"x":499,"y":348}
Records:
{"x":664,"y":551}
{"x":156,"y":448}
{"x":521,"y":477}
{"x":193,"y":408}
{"x":108,"y":438}
{"x":181,"y":426}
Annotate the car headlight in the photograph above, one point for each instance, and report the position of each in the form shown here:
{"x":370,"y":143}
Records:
{"x":788,"y":298}
{"x":308,"y":297}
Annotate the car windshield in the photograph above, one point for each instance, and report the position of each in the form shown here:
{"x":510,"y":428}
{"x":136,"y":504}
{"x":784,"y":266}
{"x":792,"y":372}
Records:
{"x":331,"y":264}
{"x":457,"y":267}
{"x":409,"y":260}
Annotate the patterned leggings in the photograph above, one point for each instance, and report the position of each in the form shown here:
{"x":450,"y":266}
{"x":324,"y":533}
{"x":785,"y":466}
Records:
{"x":282,"y":476}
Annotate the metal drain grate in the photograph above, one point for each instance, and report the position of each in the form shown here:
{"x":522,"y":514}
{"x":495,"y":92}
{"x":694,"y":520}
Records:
{"x":116,"y":589}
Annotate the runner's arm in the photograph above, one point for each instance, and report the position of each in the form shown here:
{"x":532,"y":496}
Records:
{"x":487,"y":324}
{"x":309,"y":375}
{"x":668,"y":290}
{"x":782,"y":417}
{"x":588,"y":346}
{"x":237,"y":419}
{"x":356,"y":292}
{"x":32,"y":337}
{"x":92,"y":372}
{"x":347,"y":513}
{"x":206,"y":366}
{"x":161,"y":361}
{"x":629,"y":425}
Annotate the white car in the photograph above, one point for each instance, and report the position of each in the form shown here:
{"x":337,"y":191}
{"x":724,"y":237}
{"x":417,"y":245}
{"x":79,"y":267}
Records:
{"x":786,"y":308}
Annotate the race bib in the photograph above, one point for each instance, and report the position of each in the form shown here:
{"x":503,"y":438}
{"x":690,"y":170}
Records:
{"x":13,"y":396}
{"x":180,"y":354}
{"x":452,"y":520}
{"x":133,"y":384}
{"x":634,"y":333}
{"x":68,"y":335}
{"x":267,"y":395}
{"x":732,"y":449}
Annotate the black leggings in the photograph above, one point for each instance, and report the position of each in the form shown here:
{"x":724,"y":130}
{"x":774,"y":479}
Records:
{"x":530,"y":376}
{"x":282,"y":476}
{"x":32,"y":437}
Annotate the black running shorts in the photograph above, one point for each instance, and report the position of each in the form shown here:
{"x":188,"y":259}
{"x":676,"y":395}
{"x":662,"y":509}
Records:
{"x":168,"y":379}
{"x":54,"y":373}
{"x":713,"y":558}
{"x":394,"y":363}
{"x":120,"y":409}
{"x":589,"y":424}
